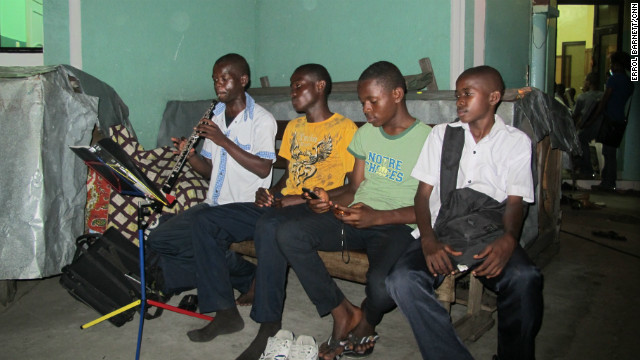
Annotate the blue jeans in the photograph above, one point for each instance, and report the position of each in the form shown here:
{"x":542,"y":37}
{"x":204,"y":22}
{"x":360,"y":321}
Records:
{"x":299,"y":234}
{"x":194,"y":252}
{"x":519,"y":289}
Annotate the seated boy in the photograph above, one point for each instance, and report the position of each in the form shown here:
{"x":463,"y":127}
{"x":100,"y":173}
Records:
{"x":315,"y":147}
{"x":238,"y":151}
{"x":381,"y":197}
{"x":495,"y":163}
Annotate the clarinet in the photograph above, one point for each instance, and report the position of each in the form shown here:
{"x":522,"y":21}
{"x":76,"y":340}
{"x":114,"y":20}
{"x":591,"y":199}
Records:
{"x":182,"y":157}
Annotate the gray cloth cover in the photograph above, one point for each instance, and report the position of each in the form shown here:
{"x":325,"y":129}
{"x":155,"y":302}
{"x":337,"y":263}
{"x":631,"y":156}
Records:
{"x":180,"y":117}
{"x":43,"y":182}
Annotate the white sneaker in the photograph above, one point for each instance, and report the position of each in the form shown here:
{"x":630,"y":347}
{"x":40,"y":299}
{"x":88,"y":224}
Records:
{"x":278,"y":346}
{"x":304,"y":348}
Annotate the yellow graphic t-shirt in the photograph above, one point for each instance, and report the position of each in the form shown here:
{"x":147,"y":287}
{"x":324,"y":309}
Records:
{"x":317,"y":153}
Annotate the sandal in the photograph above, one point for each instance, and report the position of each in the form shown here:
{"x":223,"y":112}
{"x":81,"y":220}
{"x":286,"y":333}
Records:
{"x":331,"y":345}
{"x":354,"y":340}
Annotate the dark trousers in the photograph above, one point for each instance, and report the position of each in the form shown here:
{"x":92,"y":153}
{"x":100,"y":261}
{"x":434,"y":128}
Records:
{"x":585,"y":136}
{"x":271,"y":273}
{"x":194,"y":252}
{"x":303,"y":233}
{"x":610,"y":168}
{"x":519,"y":290}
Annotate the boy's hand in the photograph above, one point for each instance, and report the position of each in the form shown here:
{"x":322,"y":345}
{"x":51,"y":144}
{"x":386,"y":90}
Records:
{"x":179,"y":144}
{"x":320,"y":205}
{"x":496,"y":256}
{"x":264,"y":198}
{"x":436,"y":255}
{"x":287,"y":200}
{"x":358,"y":215}
{"x":209,"y":130}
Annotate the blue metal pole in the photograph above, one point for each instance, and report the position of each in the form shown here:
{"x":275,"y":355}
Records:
{"x":540,"y":46}
{"x":539,"y":51}
{"x":143,"y":293}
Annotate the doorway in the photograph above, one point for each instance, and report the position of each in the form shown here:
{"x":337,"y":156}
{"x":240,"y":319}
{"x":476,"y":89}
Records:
{"x":574,"y":63}
{"x":588,"y":32}
{"x":606,"y":36}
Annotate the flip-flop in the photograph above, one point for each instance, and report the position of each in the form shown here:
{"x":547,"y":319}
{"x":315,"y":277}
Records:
{"x":354,"y":340}
{"x":333,"y":345}
{"x":610,"y":235}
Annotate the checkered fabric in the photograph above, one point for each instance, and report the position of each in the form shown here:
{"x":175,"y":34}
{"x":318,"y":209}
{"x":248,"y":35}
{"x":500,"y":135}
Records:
{"x":190,"y":188}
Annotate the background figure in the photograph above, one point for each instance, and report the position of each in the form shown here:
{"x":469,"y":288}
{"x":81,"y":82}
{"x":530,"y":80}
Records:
{"x":559,"y":95}
{"x":587,"y":126}
{"x":614,"y":106}
{"x":570,"y":94}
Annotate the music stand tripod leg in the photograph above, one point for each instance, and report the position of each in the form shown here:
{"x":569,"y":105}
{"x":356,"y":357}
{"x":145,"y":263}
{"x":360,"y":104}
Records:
{"x":142,"y":211}
{"x":111,"y":314}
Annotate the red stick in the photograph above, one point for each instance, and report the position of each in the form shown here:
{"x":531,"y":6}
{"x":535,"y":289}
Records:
{"x":178,"y":310}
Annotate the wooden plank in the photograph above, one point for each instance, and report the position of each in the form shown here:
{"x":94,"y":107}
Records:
{"x":472,"y":327}
{"x":418,"y":80}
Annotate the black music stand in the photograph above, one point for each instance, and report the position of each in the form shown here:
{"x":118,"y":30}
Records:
{"x":109,"y":160}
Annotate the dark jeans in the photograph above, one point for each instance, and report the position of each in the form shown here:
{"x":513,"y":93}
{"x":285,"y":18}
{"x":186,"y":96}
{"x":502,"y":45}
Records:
{"x":520,"y":307}
{"x":299,"y":235}
{"x":194,"y":252}
{"x":271,"y":273}
{"x":610,"y":168}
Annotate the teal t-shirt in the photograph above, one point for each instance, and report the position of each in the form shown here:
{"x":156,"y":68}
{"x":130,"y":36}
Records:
{"x":389,"y":160}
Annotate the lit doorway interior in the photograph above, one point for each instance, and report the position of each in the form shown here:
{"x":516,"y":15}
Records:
{"x":588,"y":32}
{"x":575,"y":61}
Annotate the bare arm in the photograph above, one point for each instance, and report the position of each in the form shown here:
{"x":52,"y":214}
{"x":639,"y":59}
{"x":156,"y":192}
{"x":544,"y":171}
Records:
{"x":257,"y":165}
{"x":342,"y":195}
{"x":361,"y":215}
{"x":200,"y":164}
{"x":498,"y":253}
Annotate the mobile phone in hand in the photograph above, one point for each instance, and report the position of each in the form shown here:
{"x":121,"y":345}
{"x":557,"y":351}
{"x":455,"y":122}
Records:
{"x":339,"y":212}
{"x":311,"y":193}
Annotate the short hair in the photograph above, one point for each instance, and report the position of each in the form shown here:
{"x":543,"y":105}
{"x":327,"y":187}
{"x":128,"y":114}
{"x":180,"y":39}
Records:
{"x":593,"y":79}
{"x":386,"y":74}
{"x":491,"y":75}
{"x":238,"y":62}
{"x":320,"y":73}
{"x":621,"y":58}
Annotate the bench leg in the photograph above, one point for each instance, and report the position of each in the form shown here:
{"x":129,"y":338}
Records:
{"x":477,"y":321}
{"x":447,"y":292}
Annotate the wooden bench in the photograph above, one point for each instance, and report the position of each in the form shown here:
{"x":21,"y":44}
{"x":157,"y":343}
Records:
{"x":471,"y":326}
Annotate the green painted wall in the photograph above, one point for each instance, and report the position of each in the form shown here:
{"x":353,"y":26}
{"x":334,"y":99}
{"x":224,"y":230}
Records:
{"x":348,"y":36}
{"x":508,"y":27}
{"x":468,"y":33}
{"x":13,"y":22}
{"x":55,"y":20}
{"x":152,"y":51}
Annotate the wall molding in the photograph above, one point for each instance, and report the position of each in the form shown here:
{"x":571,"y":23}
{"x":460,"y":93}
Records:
{"x":456,"y":42}
{"x":75,"y":34}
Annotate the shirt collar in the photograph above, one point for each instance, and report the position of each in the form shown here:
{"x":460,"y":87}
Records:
{"x":498,"y":125}
{"x":248,"y":110}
